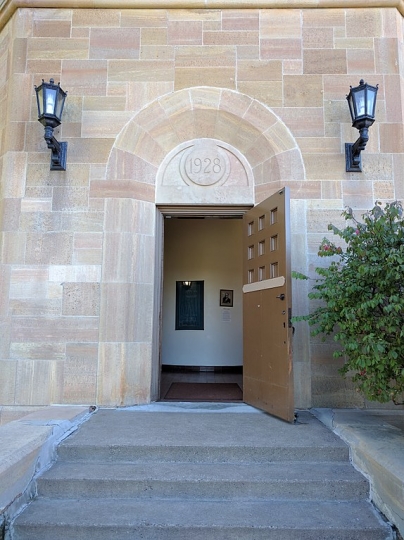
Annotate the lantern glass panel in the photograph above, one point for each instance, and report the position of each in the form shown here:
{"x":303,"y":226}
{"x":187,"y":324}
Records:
{"x":350,"y":104}
{"x":360,"y":103}
{"x":50,"y":100}
{"x":39,"y":100}
{"x":371,"y":101}
{"x":59,"y":103}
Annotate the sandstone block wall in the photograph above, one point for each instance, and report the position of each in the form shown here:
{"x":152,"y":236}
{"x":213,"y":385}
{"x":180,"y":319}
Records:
{"x":78,"y":282}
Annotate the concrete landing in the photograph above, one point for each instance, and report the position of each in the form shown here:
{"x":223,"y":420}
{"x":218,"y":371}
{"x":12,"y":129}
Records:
{"x":376,"y":442}
{"x":27,"y":447}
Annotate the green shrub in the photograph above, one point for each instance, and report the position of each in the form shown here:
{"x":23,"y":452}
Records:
{"x":361,"y":296}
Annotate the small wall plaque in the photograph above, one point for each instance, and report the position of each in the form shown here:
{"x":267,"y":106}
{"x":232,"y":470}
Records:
{"x":189,"y":313}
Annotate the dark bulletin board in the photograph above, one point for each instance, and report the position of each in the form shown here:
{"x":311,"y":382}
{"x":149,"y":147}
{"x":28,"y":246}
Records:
{"x":189,"y":306}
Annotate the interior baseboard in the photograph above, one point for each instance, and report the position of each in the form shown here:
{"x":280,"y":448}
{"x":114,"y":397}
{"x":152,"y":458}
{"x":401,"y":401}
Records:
{"x":166,"y":368}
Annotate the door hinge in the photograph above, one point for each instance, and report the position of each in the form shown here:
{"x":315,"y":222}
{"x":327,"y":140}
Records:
{"x":290,"y":320}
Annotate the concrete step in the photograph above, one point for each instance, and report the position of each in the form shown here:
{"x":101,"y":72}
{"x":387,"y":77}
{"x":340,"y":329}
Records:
{"x":293,"y":481}
{"x":186,"y":476}
{"x":113,"y":436}
{"x":176,"y":519}
{"x":200,"y":454}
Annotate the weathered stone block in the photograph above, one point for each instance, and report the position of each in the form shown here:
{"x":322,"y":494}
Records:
{"x":37,"y":351}
{"x":60,"y":329}
{"x":51,"y":28}
{"x":80,"y":373}
{"x":281,"y":49}
{"x":81,"y":299}
{"x":67,"y":48}
{"x":77,"y":73}
{"x":144,"y":70}
{"x":125,"y":375}
{"x":96,"y":17}
{"x":49,"y":248}
{"x":324,"y":61}
{"x":184,"y":33}
{"x":215,"y":76}
{"x":114,"y":43}
{"x":279,"y":23}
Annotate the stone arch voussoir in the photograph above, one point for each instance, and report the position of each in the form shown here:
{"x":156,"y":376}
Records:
{"x":238,"y":120}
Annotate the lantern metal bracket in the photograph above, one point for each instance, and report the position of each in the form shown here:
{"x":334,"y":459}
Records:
{"x":58,"y":150}
{"x":353,"y":158}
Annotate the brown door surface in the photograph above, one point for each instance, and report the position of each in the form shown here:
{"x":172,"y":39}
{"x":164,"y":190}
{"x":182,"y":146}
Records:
{"x":267,"y":371}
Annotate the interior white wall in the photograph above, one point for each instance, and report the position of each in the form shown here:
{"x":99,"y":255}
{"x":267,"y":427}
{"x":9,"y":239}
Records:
{"x":209,"y":250}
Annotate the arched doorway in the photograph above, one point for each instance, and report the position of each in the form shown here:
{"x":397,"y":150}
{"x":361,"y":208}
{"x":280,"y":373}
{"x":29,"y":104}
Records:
{"x":258,"y":139}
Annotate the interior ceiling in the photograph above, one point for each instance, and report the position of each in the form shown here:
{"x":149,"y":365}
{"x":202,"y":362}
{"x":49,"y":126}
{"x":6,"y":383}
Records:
{"x":204,"y":211}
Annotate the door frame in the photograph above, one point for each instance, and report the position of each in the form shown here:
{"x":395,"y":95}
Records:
{"x":301,"y":357}
{"x":163,"y":211}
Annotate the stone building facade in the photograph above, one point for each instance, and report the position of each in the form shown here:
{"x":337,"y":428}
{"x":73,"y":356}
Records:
{"x":82,"y":250}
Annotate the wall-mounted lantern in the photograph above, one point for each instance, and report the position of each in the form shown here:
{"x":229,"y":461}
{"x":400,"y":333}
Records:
{"x":362,"y":104}
{"x":50,"y":100}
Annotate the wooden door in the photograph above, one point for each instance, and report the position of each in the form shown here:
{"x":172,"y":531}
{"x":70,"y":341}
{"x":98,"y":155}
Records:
{"x":267,"y":307}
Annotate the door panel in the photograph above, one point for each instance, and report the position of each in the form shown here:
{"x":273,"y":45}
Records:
{"x":267,"y":371}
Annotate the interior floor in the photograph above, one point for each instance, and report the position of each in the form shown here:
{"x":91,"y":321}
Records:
{"x":170,"y":374}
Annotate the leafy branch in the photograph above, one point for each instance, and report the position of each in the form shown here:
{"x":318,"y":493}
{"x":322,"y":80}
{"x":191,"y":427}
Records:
{"x":361,"y":294}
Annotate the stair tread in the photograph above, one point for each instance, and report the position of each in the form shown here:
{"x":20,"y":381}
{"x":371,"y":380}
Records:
{"x":201,"y":454}
{"x":203,"y":430}
{"x":304,"y":481}
{"x":178,"y":513}
{"x":232,"y":472}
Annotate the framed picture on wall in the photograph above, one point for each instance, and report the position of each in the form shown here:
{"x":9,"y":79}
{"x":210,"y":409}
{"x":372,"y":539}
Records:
{"x":226,"y":297}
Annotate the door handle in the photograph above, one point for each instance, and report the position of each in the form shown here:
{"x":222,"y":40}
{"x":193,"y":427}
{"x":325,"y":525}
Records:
{"x":281,"y":297}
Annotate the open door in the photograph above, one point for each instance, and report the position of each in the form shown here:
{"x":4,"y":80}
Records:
{"x":267,"y":371}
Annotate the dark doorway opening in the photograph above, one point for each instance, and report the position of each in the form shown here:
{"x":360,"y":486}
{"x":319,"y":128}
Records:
{"x":202,"y":250}
{"x":201,"y":383}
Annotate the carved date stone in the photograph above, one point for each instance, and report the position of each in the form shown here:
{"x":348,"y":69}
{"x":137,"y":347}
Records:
{"x":205,"y":171}
{"x":205,"y":164}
